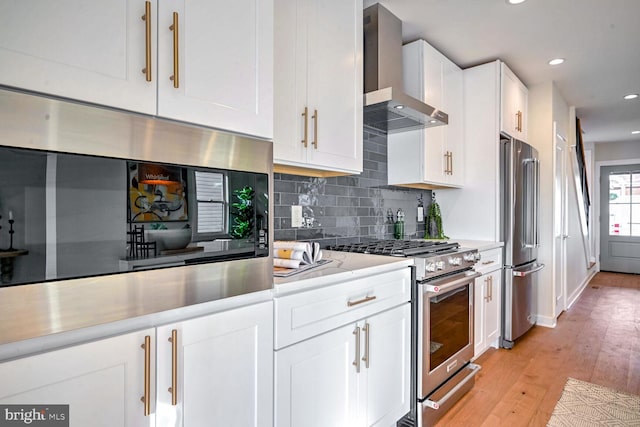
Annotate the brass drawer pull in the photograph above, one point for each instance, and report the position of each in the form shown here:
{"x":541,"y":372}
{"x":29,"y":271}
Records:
{"x":146,"y":399}
{"x":176,"y":60}
{"x":365,"y":358}
{"x":356,"y":362}
{"x":174,"y":367}
{"x":305,"y":136}
{"x":487,"y":262}
{"x":361,"y":301}
{"x":147,"y":38}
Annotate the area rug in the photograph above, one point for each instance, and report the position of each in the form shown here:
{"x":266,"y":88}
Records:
{"x":587,"y":404}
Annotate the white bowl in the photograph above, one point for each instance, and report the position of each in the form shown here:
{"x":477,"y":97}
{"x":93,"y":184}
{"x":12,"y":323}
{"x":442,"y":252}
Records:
{"x":169,"y":239}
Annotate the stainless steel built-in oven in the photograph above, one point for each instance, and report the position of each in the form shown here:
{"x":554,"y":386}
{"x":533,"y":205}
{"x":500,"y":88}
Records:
{"x":445,"y":343}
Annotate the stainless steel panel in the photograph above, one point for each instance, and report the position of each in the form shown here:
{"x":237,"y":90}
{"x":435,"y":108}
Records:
{"x":44,"y":123}
{"x":32,"y":311}
{"x":519,"y":302}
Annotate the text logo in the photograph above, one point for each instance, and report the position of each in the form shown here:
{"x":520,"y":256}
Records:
{"x":34,"y":415}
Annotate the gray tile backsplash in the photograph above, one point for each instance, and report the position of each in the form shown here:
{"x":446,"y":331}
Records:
{"x":347,"y":208}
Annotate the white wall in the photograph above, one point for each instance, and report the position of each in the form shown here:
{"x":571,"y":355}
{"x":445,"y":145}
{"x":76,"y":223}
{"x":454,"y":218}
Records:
{"x":547,"y":105}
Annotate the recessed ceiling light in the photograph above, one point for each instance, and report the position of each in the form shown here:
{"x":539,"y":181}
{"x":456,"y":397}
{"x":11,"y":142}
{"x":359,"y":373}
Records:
{"x":635,"y":132}
{"x":515,"y":1}
{"x":631,"y":96}
{"x":556,"y":61}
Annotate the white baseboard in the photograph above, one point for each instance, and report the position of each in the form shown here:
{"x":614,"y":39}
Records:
{"x":546,"y":321}
{"x":576,"y":294}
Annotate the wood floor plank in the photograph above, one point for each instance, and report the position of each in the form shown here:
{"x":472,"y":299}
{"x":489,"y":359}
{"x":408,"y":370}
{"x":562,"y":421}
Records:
{"x":596,"y":340}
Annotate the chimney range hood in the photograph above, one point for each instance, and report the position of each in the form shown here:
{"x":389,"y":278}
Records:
{"x":387,"y":109}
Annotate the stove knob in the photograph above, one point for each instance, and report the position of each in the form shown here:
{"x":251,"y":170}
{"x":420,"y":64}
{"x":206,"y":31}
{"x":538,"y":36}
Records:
{"x":478,"y":256}
{"x":430,"y":267}
{"x":470,"y":257}
{"x":455,"y":260}
{"x":440,"y":265}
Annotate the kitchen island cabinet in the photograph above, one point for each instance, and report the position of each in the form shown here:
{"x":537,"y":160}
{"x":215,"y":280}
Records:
{"x":431,"y":157}
{"x":319,"y":86}
{"x":342,"y":350}
{"x":102,"y":381}
{"x":124,"y":54}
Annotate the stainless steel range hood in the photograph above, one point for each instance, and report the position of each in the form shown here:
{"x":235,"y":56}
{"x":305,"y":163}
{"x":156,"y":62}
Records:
{"x":387,"y":109}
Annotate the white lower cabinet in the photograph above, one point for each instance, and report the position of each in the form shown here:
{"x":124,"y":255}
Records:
{"x":488,"y":291}
{"x":354,"y":371}
{"x":102,"y":381}
{"x":220,"y":369}
{"x":356,"y":375}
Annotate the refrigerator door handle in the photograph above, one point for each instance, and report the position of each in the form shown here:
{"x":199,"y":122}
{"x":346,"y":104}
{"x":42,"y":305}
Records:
{"x":529,"y":206}
{"x":536,"y":196}
{"x":536,"y":267}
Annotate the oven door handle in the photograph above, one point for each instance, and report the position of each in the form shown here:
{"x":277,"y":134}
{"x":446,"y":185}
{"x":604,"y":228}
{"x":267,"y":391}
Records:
{"x":436,"y":404}
{"x":448,"y":286}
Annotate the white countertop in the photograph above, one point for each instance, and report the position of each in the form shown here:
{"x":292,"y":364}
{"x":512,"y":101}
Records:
{"x":481,"y":245}
{"x":343,"y":266}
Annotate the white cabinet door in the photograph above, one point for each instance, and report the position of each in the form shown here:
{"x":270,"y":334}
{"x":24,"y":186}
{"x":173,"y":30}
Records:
{"x":224,"y":369}
{"x":454,"y":132}
{"x":514,"y":96}
{"x":492,"y":310}
{"x":487,"y":311}
{"x":318,"y":70}
{"x":479,"y":329}
{"x":102,"y":382}
{"x":316,"y":383}
{"x":90,"y":51}
{"x":386,"y":362}
{"x":223,"y":70}
{"x":432,"y":157}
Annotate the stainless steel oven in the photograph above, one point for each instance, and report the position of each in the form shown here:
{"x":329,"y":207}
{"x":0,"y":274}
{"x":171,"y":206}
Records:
{"x":445,"y":343}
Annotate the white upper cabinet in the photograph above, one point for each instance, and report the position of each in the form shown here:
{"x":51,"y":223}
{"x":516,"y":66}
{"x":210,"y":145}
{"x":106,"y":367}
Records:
{"x":432,"y":157}
{"x":224,"y":64}
{"x":122,"y":53}
{"x":90,"y":51}
{"x":514,"y":96}
{"x":318,"y":86}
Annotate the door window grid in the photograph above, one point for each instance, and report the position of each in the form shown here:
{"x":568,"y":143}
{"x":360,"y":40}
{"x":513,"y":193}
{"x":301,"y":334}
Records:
{"x":624,"y":203}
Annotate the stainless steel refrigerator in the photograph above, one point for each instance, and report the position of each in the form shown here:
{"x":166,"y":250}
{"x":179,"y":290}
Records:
{"x":520,"y":195}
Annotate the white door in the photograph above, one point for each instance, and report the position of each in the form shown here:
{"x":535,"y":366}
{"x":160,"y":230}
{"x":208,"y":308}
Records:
{"x":92,"y":51}
{"x":454,"y":132}
{"x":223,"y":70}
{"x":335,"y":85}
{"x":224,"y":370}
{"x":386,"y":362}
{"x":620,"y":219}
{"x":560,"y":225}
{"x":316,"y":383}
{"x":102,"y":382}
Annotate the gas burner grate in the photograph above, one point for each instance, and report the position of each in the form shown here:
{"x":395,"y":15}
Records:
{"x":401,"y":248}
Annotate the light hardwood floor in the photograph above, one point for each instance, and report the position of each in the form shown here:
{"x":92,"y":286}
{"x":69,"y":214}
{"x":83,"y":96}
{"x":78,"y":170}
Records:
{"x":596,"y":340}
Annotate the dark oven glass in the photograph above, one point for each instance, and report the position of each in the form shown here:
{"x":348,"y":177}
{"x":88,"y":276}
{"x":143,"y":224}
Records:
{"x":449,"y":324}
{"x":67,"y":216}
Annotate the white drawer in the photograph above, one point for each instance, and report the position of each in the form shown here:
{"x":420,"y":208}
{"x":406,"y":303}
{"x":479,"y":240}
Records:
{"x":490,"y":260}
{"x":306,"y":314}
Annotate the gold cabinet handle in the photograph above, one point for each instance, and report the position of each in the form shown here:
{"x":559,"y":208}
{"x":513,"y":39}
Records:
{"x":176,"y":64}
{"x":490,"y":288}
{"x":315,"y":129}
{"x":305,"y":136}
{"x":450,"y":163}
{"x":486,"y":296}
{"x":146,"y":399}
{"x":365,"y":358}
{"x":361,"y":301}
{"x":147,"y":38}
{"x":487,"y":262}
{"x":446,"y":166}
{"x":356,"y":362}
{"x":174,"y":367}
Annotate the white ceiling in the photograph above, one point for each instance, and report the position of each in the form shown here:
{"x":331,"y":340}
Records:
{"x":600,"y":40}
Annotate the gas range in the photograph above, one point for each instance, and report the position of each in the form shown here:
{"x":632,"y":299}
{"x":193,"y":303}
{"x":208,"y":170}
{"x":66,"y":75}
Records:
{"x":432,"y":258}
